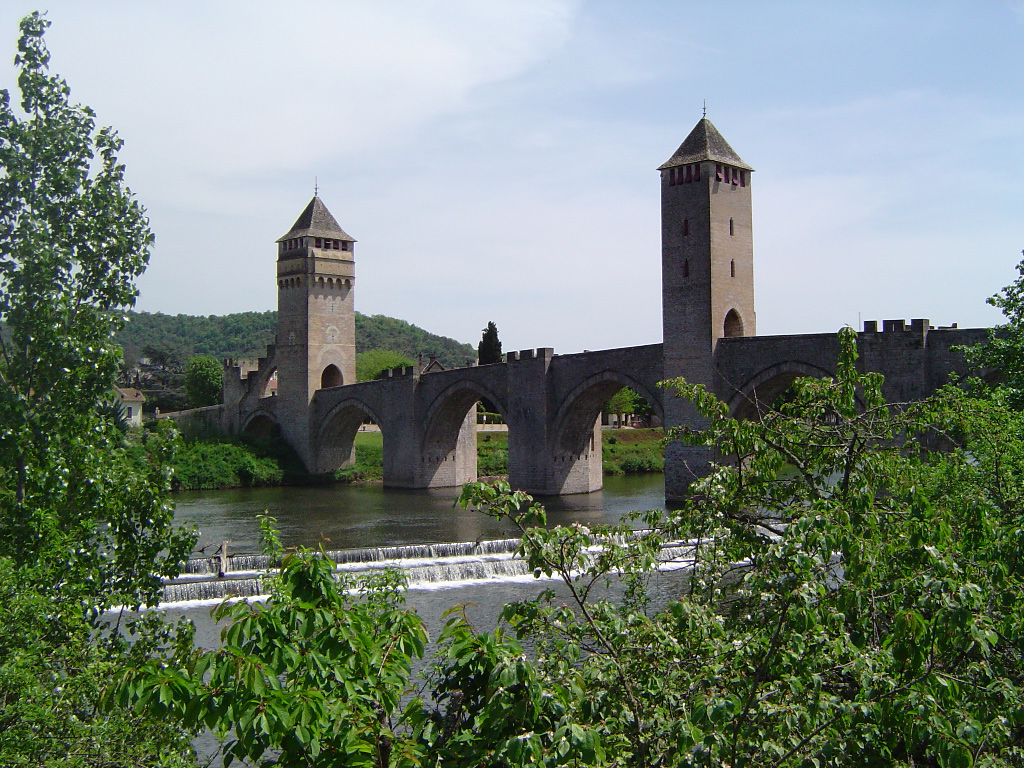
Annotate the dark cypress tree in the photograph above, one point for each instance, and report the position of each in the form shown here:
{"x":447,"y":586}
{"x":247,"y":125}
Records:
{"x":489,"y":349}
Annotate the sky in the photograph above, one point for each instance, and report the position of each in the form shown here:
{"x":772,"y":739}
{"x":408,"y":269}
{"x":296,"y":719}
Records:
{"x":496,"y":161}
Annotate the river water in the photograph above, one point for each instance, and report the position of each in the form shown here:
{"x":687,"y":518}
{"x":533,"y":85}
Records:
{"x":346,"y":516}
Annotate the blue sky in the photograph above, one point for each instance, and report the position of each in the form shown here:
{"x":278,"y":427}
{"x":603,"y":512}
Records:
{"x":496,"y":160}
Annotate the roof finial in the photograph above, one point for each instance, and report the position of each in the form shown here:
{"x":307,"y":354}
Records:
{"x":705,"y":108}
{"x":316,"y":187}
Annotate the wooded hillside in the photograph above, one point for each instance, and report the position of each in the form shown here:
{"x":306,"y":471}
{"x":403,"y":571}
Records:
{"x":245,"y":335}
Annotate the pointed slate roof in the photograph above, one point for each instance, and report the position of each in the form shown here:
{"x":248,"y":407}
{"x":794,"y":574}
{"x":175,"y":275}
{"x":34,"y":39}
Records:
{"x":704,"y":143}
{"x":316,"y":221}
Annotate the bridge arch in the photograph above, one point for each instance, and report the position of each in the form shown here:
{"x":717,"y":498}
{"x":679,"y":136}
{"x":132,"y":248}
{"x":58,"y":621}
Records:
{"x":765,"y":387}
{"x":577,"y":413}
{"x":334,"y":443}
{"x":444,"y":416}
{"x":261,"y":424}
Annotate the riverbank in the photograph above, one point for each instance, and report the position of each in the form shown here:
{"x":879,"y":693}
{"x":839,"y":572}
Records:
{"x":213,"y":464}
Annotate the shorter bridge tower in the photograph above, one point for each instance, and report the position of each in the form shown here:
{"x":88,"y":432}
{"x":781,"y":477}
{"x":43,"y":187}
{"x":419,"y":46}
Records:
{"x":707,"y":274}
{"x":316,"y":334}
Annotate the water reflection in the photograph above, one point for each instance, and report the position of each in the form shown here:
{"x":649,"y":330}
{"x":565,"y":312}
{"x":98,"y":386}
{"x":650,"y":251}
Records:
{"x":344,"y":516}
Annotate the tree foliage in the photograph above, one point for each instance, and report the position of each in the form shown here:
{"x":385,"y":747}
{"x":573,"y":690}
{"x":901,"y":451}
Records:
{"x":204,"y":380}
{"x":72,"y":241}
{"x":382,"y":332}
{"x":851,"y":598}
{"x":371,"y":363}
{"x":489,"y":349}
{"x":314,"y":677}
{"x":1004,"y":349}
{"x":245,"y":335}
{"x":82,"y":528}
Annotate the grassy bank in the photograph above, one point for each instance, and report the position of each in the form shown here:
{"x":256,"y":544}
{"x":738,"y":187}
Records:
{"x":205,"y":464}
{"x":624,"y":451}
{"x":633,"y":451}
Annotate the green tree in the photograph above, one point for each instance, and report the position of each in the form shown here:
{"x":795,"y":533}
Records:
{"x":1004,"y":349}
{"x":315,"y":675}
{"x":489,"y":349}
{"x":204,"y":380}
{"x":81,"y":527}
{"x":620,"y":404}
{"x":371,"y":363}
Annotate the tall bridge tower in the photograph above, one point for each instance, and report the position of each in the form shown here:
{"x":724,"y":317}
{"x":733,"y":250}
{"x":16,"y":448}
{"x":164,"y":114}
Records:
{"x":316,"y":333}
{"x":707,"y":267}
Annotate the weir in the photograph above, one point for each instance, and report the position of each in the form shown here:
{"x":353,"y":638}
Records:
{"x":426,"y":566}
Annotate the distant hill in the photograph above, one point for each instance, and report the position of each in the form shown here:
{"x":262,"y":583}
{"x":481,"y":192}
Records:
{"x":245,"y":335}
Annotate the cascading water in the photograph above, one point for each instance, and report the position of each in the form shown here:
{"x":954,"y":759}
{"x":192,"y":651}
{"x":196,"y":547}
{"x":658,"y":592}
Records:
{"x":427,"y":566}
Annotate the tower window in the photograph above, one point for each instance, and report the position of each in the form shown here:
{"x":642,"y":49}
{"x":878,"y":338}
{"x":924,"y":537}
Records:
{"x":671,"y":177}
{"x":720,"y":172}
{"x":331,"y":377}
{"x":344,"y":245}
{"x":686,"y":268}
{"x":743,"y":178}
{"x":733,"y":325}
{"x":732,"y":230}
{"x":696,"y":172}
{"x":689,"y":173}
{"x":686,"y":227}
{"x":732,"y":268}
{"x":317,"y":243}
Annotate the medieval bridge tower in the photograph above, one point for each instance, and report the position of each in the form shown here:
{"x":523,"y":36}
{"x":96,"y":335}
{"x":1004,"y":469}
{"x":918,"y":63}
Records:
{"x":316,"y":332}
{"x":707,"y":267}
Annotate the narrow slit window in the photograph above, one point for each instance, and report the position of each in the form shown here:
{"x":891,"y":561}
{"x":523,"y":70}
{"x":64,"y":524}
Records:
{"x":686,"y":268}
{"x":732,"y":268}
{"x":686,"y":227}
{"x":732,"y":229}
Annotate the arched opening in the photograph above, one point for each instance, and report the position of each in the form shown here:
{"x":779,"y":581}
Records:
{"x":261,"y":427}
{"x":769,"y":388}
{"x":577,"y":458}
{"x":336,"y":442}
{"x":331,"y":377}
{"x":269,"y":388}
{"x":733,"y":324}
{"x":450,"y":441}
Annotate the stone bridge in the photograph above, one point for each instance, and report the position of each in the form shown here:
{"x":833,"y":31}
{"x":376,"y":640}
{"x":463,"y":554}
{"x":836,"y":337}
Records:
{"x":551,"y":403}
